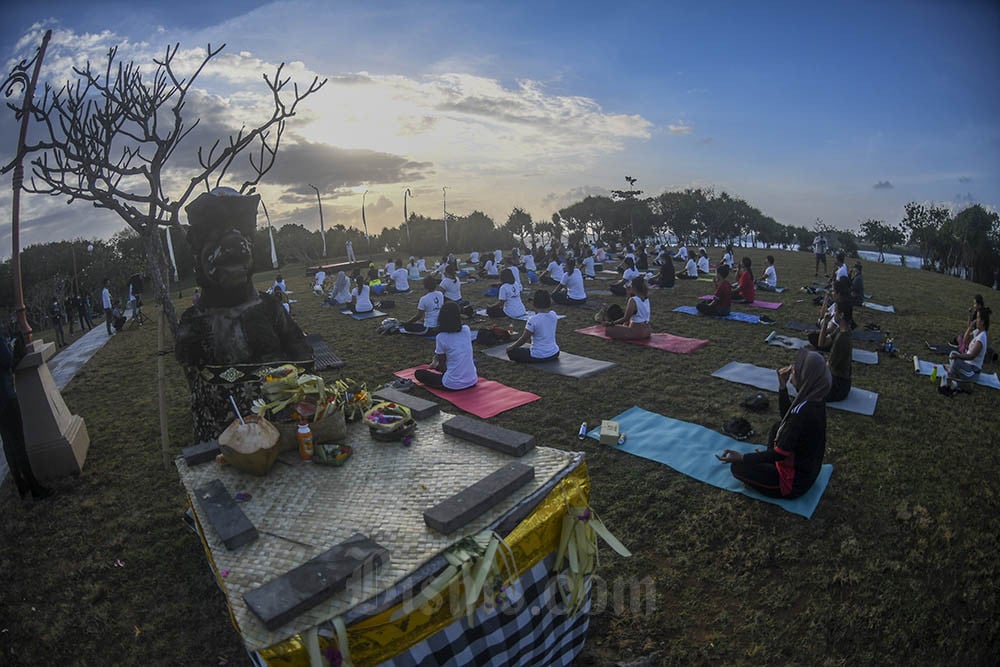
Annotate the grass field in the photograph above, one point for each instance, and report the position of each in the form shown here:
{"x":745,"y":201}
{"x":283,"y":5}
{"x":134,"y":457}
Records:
{"x":899,"y":564}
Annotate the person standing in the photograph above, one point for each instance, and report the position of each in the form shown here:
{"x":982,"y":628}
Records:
{"x":350,"y":251}
{"x":56,"y":315}
{"x":12,"y":426}
{"x":819,"y":247}
{"x":83,"y":313}
{"x":106,"y":305}
{"x":68,"y":309}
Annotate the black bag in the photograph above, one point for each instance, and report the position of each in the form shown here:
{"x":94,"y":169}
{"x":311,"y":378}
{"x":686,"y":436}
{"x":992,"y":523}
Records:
{"x":468,"y":310}
{"x":386,"y":304}
{"x":738,"y":428}
{"x":756,"y":403}
{"x":486,"y":337}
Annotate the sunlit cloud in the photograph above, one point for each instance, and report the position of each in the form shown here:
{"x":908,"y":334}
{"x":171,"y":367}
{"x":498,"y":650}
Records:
{"x":680,"y":127}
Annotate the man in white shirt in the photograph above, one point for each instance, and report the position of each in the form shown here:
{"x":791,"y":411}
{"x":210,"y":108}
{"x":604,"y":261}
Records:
{"x":553,"y":274}
{"x":570,"y":290}
{"x":588,"y":266}
{"x":769,"y":278}
{"x":703,"y":266}
{"x":819,"y":247}
{"x":106,"y":305}
{"x":682,"y":253}
{"x":350,"y":252}
{"x":474,"y":257}
{"x":400,"y":279}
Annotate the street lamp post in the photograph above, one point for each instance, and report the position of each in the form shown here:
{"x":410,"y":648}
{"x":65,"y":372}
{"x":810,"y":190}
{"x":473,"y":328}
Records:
{"x":444,"y":195}
{"x":406,"y":218}
{"x":322,"y":231}
{"x":364,"y":221}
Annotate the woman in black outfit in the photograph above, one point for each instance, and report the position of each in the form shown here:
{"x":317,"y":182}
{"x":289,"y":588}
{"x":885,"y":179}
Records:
{"x":796,"y":444}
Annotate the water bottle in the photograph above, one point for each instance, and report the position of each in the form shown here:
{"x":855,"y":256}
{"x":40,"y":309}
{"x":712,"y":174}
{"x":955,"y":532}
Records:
{"x":583,"y":431}
{"x":305,"y":438}
{"x":934,"y":374}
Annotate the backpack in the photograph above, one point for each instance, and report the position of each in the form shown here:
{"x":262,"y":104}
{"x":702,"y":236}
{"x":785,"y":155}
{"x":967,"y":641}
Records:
{"x":492,"y":335}
{"x":738,"y":428}
{"x":756,"y":403}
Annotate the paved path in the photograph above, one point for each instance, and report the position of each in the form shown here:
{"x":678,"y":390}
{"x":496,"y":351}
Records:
{"x":65,"y":365}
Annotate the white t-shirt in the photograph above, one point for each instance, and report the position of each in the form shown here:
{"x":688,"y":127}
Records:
{"x":389,"y":268}
{"x":727,"y":259}
{"x":703,"y":264}
{"x":630,"y":274}
{"x":981,"y":357}
{"x":491,"y":268}
{"x":399,"y":277}
{"x":414,"y":270}
{"x":511,"y":298}
{"x":543,"y":334}
{"x":641,"y":310}
{"x":691,"y":268}
{"x":430,"y":304}
{"x":364,"y":301}
{"x":555,"y":271}
{"x":106,"y":298}
{"x":497,"y":256}
{"x":771,"y":276}
{"x":588,"y":266}
{"x":682,"y":252}
{"x":474,"y":257}
{"x":601,"y":255}
{"x":574,"y":285}
{"x":517,"y":278}
{"x":421,"y":264}
{"x":528,"y":262}
{"x":460,"y":369}
{"x":280,"y":284}
{"x":320,"y":277}
{"x":842,"y":271}
{"x":452,"y":288}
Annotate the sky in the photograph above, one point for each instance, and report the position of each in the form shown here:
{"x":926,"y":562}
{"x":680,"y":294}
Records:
{"x":835,"y":111}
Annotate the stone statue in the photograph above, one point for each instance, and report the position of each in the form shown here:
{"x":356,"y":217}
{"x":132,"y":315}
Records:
{"x":227,"y":341}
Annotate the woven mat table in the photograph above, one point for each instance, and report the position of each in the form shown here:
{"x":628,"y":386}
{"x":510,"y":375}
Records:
{"x":302,"y":509}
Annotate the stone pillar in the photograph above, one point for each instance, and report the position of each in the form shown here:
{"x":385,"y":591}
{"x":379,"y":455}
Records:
{"x":56,"y":440}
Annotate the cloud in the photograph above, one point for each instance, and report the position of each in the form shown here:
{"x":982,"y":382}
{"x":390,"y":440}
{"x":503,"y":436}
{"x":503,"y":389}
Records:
{"x":883,"y":185}
{"x":680,"y":128}
{"x":964,"y":179}
{"x":563,"y":199}
{"x":331,"y":168}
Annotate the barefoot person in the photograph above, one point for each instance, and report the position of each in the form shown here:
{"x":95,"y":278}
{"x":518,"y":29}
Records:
{"x":452,"y":367}
{"x":791,"y":463}
{"x":634,"y":324}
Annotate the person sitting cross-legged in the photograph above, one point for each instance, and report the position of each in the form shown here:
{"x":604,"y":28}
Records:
{"x":509,"y":303}
{"x":570,"y":291}
{"x":722,"y":300}
{"x":452,"y":367}
{"x":428,"y":310}
{"x":540,"y":332}
{"x":634,"y":324}
{"x":966,"y":366}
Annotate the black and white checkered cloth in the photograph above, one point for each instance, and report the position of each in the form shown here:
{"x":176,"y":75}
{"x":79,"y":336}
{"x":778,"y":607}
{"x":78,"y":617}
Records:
{"x":533,"y":629}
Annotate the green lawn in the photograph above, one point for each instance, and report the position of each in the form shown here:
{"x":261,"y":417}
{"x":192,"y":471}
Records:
{"x":898,"y":565}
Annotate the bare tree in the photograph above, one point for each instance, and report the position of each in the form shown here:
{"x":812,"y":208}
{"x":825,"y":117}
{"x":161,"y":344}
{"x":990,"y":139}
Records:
{"x":108,"y":135}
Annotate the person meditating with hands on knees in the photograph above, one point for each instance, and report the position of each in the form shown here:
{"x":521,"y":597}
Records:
{"x":722,"y":300}
{"x":796,"y":444}
{"x":634,"y":324}
{"x":540,"y":332}
{"x":452,"y":367}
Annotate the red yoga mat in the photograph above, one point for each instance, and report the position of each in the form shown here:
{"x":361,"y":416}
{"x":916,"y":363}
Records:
{"x":770,"y":305}
{"x":487,"y":399}
{"x":661,"y":341}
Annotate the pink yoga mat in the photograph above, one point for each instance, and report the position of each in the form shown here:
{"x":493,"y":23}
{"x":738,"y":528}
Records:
{"x":661,"y":341}
{"x":770,"y":305}
{"x":487,"y":399}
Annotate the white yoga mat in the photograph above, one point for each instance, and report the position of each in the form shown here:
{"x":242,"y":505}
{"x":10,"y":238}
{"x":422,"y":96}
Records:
{"x":791,"y":343}
{"x":860,"y":401}
{"x":926,"y":368}
{"x":879,"y":307}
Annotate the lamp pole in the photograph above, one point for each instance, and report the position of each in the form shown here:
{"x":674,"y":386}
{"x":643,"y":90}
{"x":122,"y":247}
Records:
{"x":364,"y":221}
{"x":406,"y":218}
{"x":322,"y":231}
{"x":444,"y":195}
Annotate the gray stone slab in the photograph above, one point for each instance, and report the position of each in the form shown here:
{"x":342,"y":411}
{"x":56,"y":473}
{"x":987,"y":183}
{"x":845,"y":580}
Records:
{"x":282,"y":599}
{"x":226,"y":517}
{"x":452,"y":513}
{"x":489,"y":435}
{"x":203,"y":452}
{"x":420,"y":408}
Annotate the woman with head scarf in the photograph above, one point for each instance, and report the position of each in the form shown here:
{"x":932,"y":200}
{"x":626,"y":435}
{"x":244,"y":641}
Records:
{"x":341,"y":292}
{"x":796,"y":444}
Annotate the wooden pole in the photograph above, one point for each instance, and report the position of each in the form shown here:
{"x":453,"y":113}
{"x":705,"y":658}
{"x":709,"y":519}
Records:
{"x":161,"y":388}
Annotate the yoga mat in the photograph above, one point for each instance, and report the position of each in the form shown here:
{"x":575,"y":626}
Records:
{"x":690,"y":449}
{"x":860,"y":401}
{"x":324,"y":356}
{"x":566,"y":364}
{"x":940,"y":349}
{"x":789,"y":343}
{"x":862,"y":335}
{"x":925,"y":367}
{"x":660,"y":341}
{"x":363,"y":316}
{"x":770,"y":305}
{"x":733,"y":315}
{"x":523,"y":318}
{"x":879,"y":307}
{"x":487,"y":399}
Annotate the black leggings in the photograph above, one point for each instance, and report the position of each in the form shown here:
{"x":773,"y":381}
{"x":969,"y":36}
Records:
{"x":707,"y":308}
{"x":762,"y":477}
{"x":523,"y":355}
{"x":563,"y":298}
{"x":432,"y":379}
{"x":839,"y":390}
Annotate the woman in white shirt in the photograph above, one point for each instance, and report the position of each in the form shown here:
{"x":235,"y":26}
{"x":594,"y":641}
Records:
{"x":413,"y":269}
{"x":474,"y":257}
{"x":553,"y":274}
{"x":509,"y":303}
{"x":570,"y":290}
{"x":428,"y":310}
{"x":620,"y":287}
{"x":588,"y":266}
{"x":452,"y":367}
{"x":703,"y":265}
{"x":361,"y":300}
{"x":422,"y":265}
{"x":690,"y":270}
{"x":400,"y":279}
{"x":966,"y":366}
{"x":489,"y":269}
{"x":728,"y":258}
{"x":450,"y":286}
{"x":528,"y":262}
{"x":634,"y":325}
{"x":540,"y":332}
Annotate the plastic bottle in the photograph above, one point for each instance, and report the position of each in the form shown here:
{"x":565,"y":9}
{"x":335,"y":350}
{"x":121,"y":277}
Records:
{"x":583,"y":431}
{"x":934,"y":374}
{"x":305,"y":437}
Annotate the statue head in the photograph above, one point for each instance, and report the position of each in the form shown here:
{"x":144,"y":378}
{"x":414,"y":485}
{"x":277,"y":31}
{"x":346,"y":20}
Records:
{"x":221,"y":229}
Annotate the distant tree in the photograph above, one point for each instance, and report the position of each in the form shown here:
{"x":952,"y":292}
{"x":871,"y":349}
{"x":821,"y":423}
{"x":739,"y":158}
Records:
{"x":848,"y":242}
{"x":923,"y":224}
{"x":108,"y":137}
{"x":296,"y":244}
{"x":972,"y":251}
{"x":519,"y":224}
{"x":881,"y":235}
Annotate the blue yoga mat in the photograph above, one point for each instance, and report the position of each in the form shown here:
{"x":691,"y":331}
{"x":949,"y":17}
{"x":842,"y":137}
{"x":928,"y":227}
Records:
{"x":690,"y":449}
{"x":733,"y":315}
{"x":363,"y":316}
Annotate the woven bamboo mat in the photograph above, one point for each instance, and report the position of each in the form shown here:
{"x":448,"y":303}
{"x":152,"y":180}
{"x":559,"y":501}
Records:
{"x":302,"y":509}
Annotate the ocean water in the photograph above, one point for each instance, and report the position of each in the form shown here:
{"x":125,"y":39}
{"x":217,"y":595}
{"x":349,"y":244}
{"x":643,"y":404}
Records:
{"x":890,"y":258}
